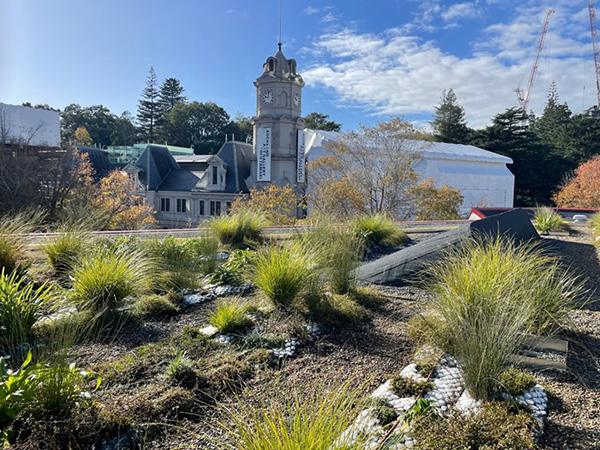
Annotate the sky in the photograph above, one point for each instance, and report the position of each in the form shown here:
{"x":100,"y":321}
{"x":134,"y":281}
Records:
{"x":362,"y":60}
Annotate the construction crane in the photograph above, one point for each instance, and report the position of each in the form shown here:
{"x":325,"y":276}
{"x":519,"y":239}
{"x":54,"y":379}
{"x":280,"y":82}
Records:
{"x":525,"y":97}
{"x":592,"y":11}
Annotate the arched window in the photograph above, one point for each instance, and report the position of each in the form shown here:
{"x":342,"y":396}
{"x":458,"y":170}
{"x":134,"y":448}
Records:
{"x":271,"y":65}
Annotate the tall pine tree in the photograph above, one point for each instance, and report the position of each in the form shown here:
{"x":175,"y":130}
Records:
{"x":148,"y":108}
{"x":449,"y":122}
{"x":169,"y":96}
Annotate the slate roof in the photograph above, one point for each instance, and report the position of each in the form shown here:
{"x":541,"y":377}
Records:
{"x":98,"y":160}
{"x":156,"y":162}
{"x":237,"y":157}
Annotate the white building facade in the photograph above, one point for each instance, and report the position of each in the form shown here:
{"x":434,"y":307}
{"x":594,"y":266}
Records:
{"x":29,"y":126}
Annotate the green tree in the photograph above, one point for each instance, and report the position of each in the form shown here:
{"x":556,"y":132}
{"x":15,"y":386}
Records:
{"x":124,"y":131}
{"x":318,"y":121}
{"x":199,"y":125}
{"x":240,"y":128}
{"x":534,"y":163}
{"x":449,"y":123}
{"x":148,"y":108}
{"x":82,"y":137}
{"x":97,"y":120}
{"x":170,"y":94}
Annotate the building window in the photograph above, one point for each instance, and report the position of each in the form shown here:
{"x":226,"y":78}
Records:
{"x":215,"y":208}
{"x":165,"y":204}
{"x":215,"y":174}
{"x":228,"y":207}
{"x":181,"y":205}
{"x":201,"y":207}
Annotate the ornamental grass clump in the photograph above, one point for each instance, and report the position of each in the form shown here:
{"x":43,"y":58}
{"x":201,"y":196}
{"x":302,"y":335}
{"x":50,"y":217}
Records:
{"x":238,"y":230}
{"x":63,"y":250}
{"x":13,"y":231}
{"x":378,"y":229}
{"x":281,"y":273}
{"x":296,"y":418}
{"x":21,"y":306}
{"x":230,"y":316}
{"x":104,"y":278}
{"x":546,"y":220}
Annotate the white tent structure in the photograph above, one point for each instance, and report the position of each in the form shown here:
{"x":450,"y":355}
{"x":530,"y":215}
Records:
{"x":482,"y":176}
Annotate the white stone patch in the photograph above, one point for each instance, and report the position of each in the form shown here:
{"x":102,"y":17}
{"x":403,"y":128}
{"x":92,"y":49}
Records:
{"x":209,"y":331}
{"x":197,"y":298}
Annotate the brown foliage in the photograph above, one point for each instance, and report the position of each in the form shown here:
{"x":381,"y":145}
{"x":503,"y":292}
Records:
{"x":434,"y":203}
{"x":277,"y":204}
{"x":583,"y":190}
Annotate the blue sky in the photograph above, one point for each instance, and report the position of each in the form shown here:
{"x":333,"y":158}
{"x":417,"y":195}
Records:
{"x":362,"y":60}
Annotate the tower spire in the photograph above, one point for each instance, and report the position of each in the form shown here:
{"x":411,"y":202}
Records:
{"x":279,"y":42}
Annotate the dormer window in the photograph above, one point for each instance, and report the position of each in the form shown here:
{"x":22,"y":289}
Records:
{"x":215,"y":175}
{"x":271,"y":65}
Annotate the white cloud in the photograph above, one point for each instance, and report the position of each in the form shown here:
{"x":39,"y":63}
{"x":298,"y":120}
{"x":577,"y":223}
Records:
{"x":309,"y":10}
{"x":394,"y":72}
{"x":465,"y":10}
{"x":329,"y":17}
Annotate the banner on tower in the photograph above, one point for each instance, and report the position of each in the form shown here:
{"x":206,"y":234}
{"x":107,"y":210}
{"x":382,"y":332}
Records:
{"x":301,"y":158}
{"x":263,"y":154}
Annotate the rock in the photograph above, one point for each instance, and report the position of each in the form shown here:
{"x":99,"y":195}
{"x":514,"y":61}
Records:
{"x":209,"y":331}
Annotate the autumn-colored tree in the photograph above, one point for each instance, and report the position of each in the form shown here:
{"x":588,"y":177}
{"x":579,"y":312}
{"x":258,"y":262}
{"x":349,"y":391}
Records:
{"x":583,"y":189}
{"x":113,"y":199}
{"x":432,"y":203}
{"x":370,"y":171}
{"x":277,"y":204}
{"x":82,"y":136}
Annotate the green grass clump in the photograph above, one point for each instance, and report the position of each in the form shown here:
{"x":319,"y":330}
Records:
{"x":335,"y":310}
{"x":13,"y":240}
{"x":281,"y":273}
{"x":497,"y":426}
{"x":378,"y":229}
{"x":235,"y":270}
{"x":155,"y":306}
{"x":63,"y":250}
{"x":546,"y":220}
{"x":181,"y":371}
{"x":296,"y":418}
{"x":104,"y":278}
{"x":516,"y":382}
{"x":238,"y":230}
{"x":21,"y":306}
{"x":230,"y":316}
{"x":183,"y":261}
{"x":384,"y":411}
{"x":407,"y":387}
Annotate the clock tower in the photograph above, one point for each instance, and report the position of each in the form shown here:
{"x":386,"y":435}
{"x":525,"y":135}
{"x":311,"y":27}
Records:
{"x":278,"y":153}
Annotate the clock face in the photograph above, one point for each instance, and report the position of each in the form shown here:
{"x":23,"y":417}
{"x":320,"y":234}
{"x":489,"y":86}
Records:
{"x":268,"y":98}
{"x":296,"y":100}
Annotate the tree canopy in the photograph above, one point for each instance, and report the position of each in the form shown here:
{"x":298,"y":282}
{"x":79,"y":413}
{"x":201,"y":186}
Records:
{"x":148,"y":108}
{"x":449,"y":122}
{"x":318,"y":121}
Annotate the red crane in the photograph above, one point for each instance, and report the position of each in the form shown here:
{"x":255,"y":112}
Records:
{"x":524,"y":99}
{"x":592,"y":11}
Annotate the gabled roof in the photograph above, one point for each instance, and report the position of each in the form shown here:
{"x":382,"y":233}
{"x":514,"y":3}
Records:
{"x":98,"y":160}
{"x":237,"y":157}
{"x":156,"y":162}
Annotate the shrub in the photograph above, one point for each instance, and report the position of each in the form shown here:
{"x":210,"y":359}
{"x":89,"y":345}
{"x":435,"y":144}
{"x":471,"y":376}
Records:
{"x":13,"y":228}
{"x":407,"y":387}
{"x":384,"y":412}
{"x":230,"y":316}
{"x":237,"y":230}
{"x":183,"y":261}
{"x":495,"y":427}
{"x":21,"y":306}
{"x":155,"y":305}
{"x":434,"y":203}
{"x":546,"y":220}
{"x":281,"y":273}
{"x":294,"y":418}
{"x":516,"y":382}
{"x":277,"y":203}
{"x":16,"y":392}
{"x":104,"y":278}
{"x":232,"y":271}
{"x":583,"y":190}
{"x":378,"y":229}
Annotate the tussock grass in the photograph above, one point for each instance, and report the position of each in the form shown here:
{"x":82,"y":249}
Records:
{"x":334,"y":253}
{"x":281,"y":273}
{"x":183,"y":261}
{"x":155,"y":306}
{"x":21,"y":306}
{"x":63,"y":250}
{"x":295,"y":418}
{"x":13,"y":228}
{"x":378,"y":229}
{"x":488,"y":294}
{"x":230,"y":316}
{"x":238,"y":230}
{"x":105,"y":277}
{"x":546,"y":220}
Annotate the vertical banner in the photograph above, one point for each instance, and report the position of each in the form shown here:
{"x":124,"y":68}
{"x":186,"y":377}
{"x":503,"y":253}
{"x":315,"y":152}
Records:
{"x":301,"y":161}
{"x":263,"y":154}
